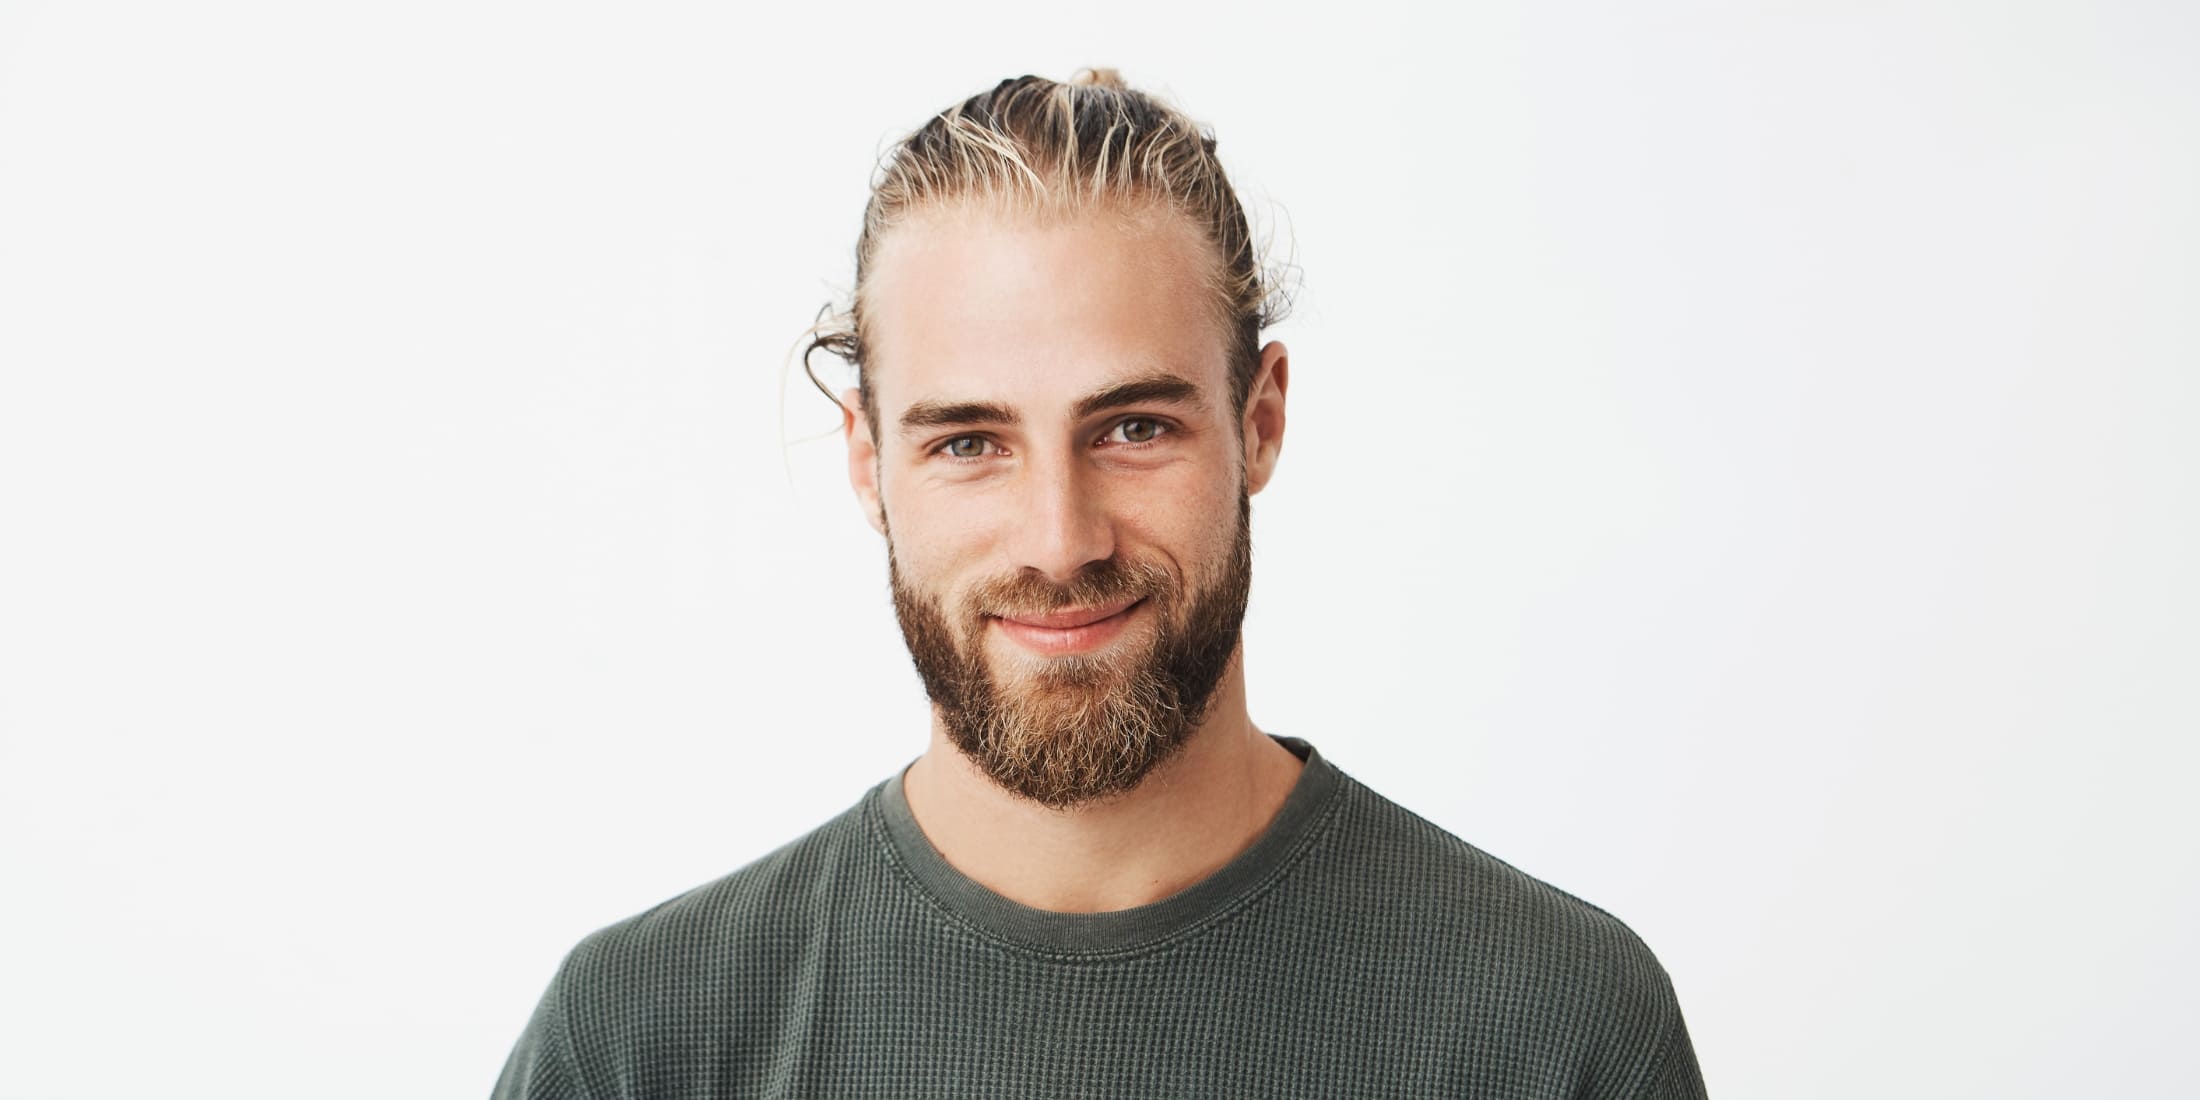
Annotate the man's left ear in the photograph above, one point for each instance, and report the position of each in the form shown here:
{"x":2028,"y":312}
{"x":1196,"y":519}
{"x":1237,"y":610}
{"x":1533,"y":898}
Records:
{"x":1263,"y":426}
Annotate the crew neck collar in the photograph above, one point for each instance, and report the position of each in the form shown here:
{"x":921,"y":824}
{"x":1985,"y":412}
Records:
{"x":1121,"y":930}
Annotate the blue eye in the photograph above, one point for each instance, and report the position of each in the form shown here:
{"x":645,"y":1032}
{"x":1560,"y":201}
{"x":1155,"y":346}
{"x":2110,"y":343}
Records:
{"x":1138,"y":429}
{"x":964,"y":447}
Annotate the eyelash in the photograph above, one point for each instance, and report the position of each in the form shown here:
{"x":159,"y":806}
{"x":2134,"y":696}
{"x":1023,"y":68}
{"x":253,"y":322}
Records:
{"x":1164,"y":426}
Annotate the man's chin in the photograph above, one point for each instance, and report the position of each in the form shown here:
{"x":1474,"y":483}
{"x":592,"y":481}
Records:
{"x":1067,"y":730}
{"x":1039,"y":684}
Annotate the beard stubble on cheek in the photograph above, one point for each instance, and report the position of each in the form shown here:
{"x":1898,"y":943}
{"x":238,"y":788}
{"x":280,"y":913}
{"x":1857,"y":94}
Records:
{"x":1065,"y":730}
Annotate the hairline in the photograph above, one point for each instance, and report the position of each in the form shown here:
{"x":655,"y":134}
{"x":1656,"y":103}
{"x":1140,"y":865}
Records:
{"x":1143,"y":208}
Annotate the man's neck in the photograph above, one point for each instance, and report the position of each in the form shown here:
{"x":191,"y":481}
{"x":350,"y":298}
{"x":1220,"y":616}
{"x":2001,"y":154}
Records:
{"x":1188,"y":818}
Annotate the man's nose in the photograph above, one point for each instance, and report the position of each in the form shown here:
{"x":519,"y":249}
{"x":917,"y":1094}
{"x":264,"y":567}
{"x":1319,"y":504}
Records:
{"x":1064,"y":524}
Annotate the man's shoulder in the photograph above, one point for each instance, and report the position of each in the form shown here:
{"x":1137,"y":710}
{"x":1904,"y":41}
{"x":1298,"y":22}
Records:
{"x":1510,"y":960}
{"x":661,"y":989}
{"x":1433,"y":892}
{"x":762,"y":915}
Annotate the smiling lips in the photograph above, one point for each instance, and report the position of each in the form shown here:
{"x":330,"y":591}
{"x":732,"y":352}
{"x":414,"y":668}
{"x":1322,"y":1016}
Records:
{"x":1073,"y":631}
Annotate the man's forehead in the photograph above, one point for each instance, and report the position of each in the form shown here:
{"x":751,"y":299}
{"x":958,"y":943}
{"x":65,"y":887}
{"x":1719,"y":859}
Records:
{"x":970,"y":306}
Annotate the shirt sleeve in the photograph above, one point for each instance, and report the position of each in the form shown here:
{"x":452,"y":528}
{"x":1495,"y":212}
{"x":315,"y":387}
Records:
{"x":541,"y":1066}
{"x":1674,"y":1075}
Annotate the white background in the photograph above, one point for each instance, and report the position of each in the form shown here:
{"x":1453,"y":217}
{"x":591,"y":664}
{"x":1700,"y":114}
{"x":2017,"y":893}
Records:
{"x":1741,"y":470}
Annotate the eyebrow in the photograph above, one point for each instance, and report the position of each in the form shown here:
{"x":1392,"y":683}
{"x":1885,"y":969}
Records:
{"x":1158,"y":387}
{"x":940,"y":414}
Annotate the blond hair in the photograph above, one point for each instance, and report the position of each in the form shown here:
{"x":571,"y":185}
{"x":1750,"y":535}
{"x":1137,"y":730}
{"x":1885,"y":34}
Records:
{"x":1061,"y":149}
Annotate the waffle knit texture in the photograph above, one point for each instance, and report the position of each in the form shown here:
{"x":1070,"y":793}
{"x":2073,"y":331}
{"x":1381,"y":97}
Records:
{"x":1355,"y":950}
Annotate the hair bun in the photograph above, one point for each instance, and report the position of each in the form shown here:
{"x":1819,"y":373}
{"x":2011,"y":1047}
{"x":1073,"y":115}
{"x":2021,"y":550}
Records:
{"x":1105,"y":78}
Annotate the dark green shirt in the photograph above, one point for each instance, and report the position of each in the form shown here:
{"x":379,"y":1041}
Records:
{"x":1355,"y":950}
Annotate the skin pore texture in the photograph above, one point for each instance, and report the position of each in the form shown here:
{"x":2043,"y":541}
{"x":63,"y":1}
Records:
{"x":1062,"y":482}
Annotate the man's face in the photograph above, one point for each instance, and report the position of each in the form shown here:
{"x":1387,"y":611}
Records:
{"x":1063,"y":486}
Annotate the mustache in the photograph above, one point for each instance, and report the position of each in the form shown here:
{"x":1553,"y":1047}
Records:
{"x":1107,"y":581}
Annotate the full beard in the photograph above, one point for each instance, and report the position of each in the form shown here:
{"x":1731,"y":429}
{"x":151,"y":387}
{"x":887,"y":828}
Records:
{"x":1076,"y":728}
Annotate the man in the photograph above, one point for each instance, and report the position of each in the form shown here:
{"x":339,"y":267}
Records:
{"x":1100,"y":878}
